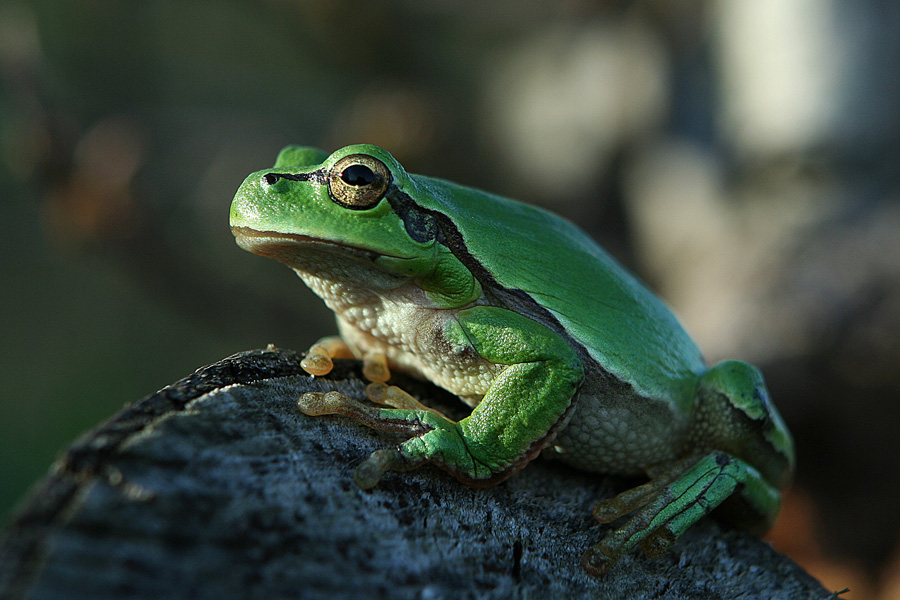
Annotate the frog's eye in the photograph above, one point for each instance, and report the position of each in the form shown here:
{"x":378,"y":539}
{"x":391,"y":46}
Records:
{"x":358,"y":181}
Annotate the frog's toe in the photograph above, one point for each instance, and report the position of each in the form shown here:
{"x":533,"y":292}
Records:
{"x":391,"y":395}
{"x":610,"y":509}
{"x":607,"y":511}
{"x":595,"y":562}
{"x":599,"y":558}
{"x":654,"y":542}
{"x":375,"y":367}
{"x":318,"y":361}
{"x":370,"y":471}
{"x":410,"y":422}
{"x":315,"y":404}
{"x":659,"y":542}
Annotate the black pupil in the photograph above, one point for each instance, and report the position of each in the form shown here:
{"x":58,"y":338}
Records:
{"x":357,"y":175}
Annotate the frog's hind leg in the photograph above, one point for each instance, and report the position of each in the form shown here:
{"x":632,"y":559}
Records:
{"x":663,"y":512}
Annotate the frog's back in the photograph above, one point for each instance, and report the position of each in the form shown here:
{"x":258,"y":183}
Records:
{"x":624,"y":326}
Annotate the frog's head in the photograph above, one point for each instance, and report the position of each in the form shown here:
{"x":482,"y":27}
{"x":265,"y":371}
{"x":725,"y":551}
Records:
{"x":351,"y":213}
{"x":733,"y":411}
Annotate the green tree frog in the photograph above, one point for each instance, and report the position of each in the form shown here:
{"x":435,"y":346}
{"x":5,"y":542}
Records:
{"x":554,"y":345}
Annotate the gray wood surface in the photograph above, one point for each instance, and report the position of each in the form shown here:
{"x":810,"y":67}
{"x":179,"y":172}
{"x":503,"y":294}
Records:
{"x":218,"y":487}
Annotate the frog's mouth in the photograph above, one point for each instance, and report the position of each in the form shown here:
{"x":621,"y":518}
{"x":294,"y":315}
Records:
{"x":294,"y":249}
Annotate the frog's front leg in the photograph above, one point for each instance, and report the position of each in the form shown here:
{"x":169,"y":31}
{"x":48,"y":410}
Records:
{"x":513,"y":422}
{"x":668,"y":505}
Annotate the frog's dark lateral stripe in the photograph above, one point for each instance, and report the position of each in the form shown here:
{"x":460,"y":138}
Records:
{"x":424,"y":224}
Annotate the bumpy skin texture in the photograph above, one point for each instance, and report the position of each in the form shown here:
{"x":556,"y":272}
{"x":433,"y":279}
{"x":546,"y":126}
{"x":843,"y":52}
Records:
{"x":553,"y":344}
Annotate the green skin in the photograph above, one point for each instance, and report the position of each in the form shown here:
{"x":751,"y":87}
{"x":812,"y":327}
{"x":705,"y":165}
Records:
{"x":523,"y":316}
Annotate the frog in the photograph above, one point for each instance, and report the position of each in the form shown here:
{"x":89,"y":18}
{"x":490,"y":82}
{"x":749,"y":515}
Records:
{"x":557,"y":348}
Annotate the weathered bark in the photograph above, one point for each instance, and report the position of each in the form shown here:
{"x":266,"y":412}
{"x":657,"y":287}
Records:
{"x":218,"y":487}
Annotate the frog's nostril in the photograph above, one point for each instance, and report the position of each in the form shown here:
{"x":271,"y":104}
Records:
{"x":270,"y":178}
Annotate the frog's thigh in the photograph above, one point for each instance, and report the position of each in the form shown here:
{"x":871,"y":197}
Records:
{"x":680,"y":504}
{"x":527,"y":398}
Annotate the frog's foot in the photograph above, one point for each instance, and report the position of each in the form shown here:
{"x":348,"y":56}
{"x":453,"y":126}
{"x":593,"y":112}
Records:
{"x":318,"y":359}
{"x":409,"y":417}
{"x":316,"y":404}
{"x":664,"y":508}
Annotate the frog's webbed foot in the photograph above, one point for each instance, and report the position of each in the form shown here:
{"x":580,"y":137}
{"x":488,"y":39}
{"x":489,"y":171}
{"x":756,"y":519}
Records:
{"x":676,"y":498}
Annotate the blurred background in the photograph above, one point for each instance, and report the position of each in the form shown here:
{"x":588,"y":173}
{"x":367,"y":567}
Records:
{"x":743,"y":156}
